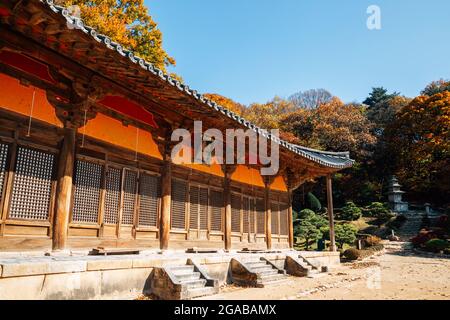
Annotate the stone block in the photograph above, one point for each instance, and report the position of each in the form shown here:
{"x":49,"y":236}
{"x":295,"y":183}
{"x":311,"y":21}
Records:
{"x":123,"y":282}
{"x":17,"y":269}
{"x":21,"y":288}
{"x":109,"y":264}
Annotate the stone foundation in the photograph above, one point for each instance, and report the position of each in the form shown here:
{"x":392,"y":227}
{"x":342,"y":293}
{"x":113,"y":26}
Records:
{"x":106,"y":277}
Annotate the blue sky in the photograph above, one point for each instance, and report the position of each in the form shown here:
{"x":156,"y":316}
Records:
{"x":252,"y":50}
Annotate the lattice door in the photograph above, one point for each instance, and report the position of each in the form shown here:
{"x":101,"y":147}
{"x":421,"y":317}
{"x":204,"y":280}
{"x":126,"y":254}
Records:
{"x":88,"y":180}
{"x":149,"y":191}
{"x":245,"y":214}
{"x":193,"y":207}
{"x":235,"y":213}
{"x":3,"y":157}
{"x":31,"y":192}
{"x":260,"y":217}
{"x":275,"y":218}
{"x":112,"y":196}
{"x":216,"y":200}
{"x":284,"y":219}
{"x":129,"y":196}
{"x":178,"y":206}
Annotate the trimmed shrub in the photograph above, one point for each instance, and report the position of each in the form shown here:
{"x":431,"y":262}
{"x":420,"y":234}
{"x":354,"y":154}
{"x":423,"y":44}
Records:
{"x":313,"y":203}
{"x":355,"y":254}
{"x":371,"y":241}
{"x":378,"y":210}
{"x":352,"y":254}
{"x":423,"y":237}
{"x":306,"y":214}
{"x":350,"y":212}
{"x":436,"y":245}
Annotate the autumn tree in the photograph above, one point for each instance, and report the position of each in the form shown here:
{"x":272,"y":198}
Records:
{"x":310,"y":99}
{"x":436,"y":87}
{"x":268,"y":115}
{"x":226,"y":102}
{"x":128,"y":23}
{"x":419,"y":140}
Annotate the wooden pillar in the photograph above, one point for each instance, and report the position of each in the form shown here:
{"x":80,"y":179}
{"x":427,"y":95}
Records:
{"x":166,"y":199}
{"x":64,"y":190}
{"x":268,"y":210}
{"x":290,"y":221}
{"x":330,"y":213}
{"x":227,"y":208}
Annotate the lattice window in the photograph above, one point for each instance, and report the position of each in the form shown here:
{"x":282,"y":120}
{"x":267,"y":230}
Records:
{"x":3,"y":156}
{"x":245,"y":214}
{"x":148,"y":203}
{"x":31,"y":191}
{"x":235,"y":213}
{"x":193,"y":207}
{"x":216,"y":200}
{"x":275,"y":218}
{"x":252,"y":219}
{"x":88,"y":179}
{"x":178,"y":206}
{"x":112,"y":196}
{"x":260,"y":217}
{"x":129,"y":197}
{"x":203,"y":209}
{"x":284,"y":222}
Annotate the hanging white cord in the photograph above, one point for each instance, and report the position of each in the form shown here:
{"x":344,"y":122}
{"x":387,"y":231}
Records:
{"x":31,"y":113}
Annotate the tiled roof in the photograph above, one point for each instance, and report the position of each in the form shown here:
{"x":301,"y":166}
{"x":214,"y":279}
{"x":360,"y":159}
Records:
{"x":337,"y":160}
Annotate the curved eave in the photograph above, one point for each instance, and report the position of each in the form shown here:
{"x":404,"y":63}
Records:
{"x":336,"y":160}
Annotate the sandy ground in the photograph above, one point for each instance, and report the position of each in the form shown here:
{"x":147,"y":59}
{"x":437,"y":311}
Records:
{"x":393,"y":275}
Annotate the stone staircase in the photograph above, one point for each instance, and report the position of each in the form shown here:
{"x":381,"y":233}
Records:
{"x":412,"y":225}
{"x":256,"y":272}
{"x":299,"y":266}
{"x":181,"y":282}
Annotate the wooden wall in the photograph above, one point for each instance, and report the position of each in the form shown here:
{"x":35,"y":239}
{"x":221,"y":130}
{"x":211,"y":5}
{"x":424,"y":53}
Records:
{"x":116,"y":186}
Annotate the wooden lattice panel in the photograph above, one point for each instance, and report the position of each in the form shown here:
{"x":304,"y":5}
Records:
{"x":112,"y":197}
{"x":178,"y":208}
{"x":260,"y":217}
{"x":203,"y":208}
{"x":193,"y":207}
{"x":235,"y":213}
{"x":32,"y":184}
{"x":3,"y":156}
{"x":88,"y":179}
{"x":129,"y":196}
{"x":284,"y":222}
{"x":245,"y":214}
{"x":275,"y":218}
{"x":252,"y":228}
{"x":216,"y":202}
{"x":148,"y":203}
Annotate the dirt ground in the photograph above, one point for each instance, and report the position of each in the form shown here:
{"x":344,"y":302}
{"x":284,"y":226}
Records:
{"x":393,"y":275}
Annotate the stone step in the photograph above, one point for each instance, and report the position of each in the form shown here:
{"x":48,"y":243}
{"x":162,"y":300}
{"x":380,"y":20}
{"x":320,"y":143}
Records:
{"x":270,"y":277}
{"x":261,"y":269}
{"x":267,"y":272}
{"x":192,"y":284}
{"x":181,"y":268}
{"x":188,"y":276}
{"x":273,"y":279}
{"x":201,"y":292}
{"x":256,"y":264}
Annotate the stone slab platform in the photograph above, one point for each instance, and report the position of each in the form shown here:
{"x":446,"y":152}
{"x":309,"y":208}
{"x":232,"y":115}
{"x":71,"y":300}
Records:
{"x":80,"y":276}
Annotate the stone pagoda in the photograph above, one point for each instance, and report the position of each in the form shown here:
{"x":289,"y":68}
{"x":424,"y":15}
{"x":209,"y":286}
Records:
{"x":395,"y":196}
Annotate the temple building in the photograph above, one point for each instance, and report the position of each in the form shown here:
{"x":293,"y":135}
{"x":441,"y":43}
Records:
{"x":85,"y":150}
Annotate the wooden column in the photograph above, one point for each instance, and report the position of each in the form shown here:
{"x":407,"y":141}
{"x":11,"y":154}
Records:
{"x":166,"y":199}
{"x":64,"y":190}
{"x":330,"y":212}
{"x":227,"y":209}
{"x":268,"y":210}
{"x":290,"y":221}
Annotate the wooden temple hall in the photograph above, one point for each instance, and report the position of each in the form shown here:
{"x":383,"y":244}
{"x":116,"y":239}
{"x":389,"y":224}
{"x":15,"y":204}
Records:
{"x":85,"y":150}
